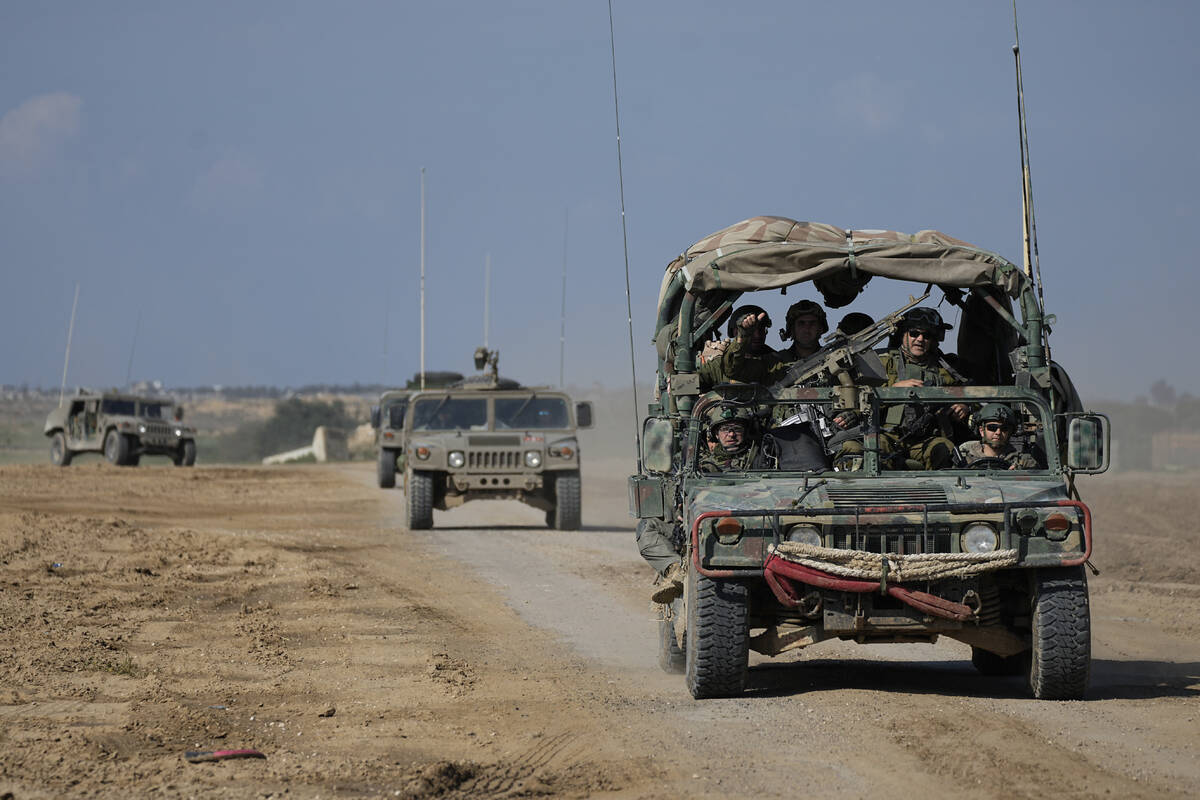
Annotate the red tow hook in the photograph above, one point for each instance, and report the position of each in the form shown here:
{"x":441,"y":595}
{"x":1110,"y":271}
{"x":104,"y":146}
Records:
{"x":780,"y":574}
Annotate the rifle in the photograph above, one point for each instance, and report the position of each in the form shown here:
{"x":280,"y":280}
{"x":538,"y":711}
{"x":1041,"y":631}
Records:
{"x":849,"y":360}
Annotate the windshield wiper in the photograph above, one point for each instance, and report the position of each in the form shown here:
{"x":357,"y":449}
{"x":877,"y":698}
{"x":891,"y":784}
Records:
{"x":512,"y":419}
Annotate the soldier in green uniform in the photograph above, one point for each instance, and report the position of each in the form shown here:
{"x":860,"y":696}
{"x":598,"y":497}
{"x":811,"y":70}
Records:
{"x":747,"y":330}
{"x":995,"y":423}
{"x":732,"y":439}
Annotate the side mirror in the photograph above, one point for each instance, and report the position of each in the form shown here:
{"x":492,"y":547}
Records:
{"x":179,"y":413}
{"x":375,"y":416}
{"x":658,"y":444}
{"x":1087,"y":443}
{"x":583,"y":415}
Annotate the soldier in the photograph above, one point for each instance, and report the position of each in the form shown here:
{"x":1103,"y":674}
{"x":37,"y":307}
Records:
{"x":806,"y":322}
{"x":995,"y":424}
{"x":917,"y":432}
{"x":748,"y":326}
{"x":852,"y":323}
{"x":733,"y":439}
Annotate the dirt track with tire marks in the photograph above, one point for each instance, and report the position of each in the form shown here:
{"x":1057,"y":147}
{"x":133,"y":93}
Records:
{"x":152,"y":611}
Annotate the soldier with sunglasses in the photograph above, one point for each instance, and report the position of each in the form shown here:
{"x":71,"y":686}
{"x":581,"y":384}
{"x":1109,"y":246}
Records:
{"x":996,"y":424}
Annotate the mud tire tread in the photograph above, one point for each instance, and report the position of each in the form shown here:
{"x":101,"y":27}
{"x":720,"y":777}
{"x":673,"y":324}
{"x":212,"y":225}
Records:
{"x":385,"y":472}
{"x":189,"y":453}
{"x":418,"y":501}
{"x":60,"y":454}
{"x":568,"y":502}
{"x":1060,"y":661}
{"x":718,"y":637}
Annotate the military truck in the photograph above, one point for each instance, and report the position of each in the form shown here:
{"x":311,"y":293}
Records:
{"x":124,"y":427}
{"x":488,"y":437}
{"x":387,"y":418}
{"x":794,"y":550}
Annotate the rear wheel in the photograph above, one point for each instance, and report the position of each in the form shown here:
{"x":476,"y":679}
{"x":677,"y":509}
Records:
{"x":418,"y":501}
{"x":670,"y":655}
{"x":718,"y":636}
{"x":386,"y":468}
{"x":116,"y":448}
{"x":60,"y":454}
{"x":567,"y":502}
{"x":1060,"y":662}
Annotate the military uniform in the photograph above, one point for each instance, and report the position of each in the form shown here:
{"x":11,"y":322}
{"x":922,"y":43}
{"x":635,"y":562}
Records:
{"x":718,"y":459}
{"x":973,"y":451}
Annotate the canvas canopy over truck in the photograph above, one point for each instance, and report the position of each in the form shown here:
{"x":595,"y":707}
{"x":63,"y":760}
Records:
{"x":789,"y":551}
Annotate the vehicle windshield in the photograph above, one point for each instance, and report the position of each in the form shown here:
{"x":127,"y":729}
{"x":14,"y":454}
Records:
{"x":812,"y":436}
{"x":156,"y":410}
{"x":122,"y":407}
{"x":395,"y":415}
{"x":530,"y":412}
{"x":450,"y":413}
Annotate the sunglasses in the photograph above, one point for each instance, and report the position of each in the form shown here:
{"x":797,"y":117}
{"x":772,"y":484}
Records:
{"x":996,"y":427}
{"x":920,"y":334}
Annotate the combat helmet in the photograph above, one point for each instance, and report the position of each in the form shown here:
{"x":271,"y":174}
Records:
{"x":854,"y":322}
{"x":996,"y":412}
{"x":725,"y":412}
{"x":799,"y":308}
{"x":923,"y":318}
{"x":743,"y":311}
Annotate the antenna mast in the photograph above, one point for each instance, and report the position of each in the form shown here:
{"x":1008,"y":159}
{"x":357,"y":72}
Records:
{"x":562,"y":331}
{"x":70,"y":331}
{"x":487,"y":295}
{"x":422,"y":277}
{"x":137,"y":326}
{"x":612,"y":40}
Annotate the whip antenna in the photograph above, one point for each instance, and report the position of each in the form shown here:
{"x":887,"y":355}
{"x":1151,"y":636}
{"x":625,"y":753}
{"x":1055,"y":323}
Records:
{"x":1033,"y":266}
{"x":612,"y":40}
{"x":562,"y":331}
{"x":67,"y":358}
{"x":422,"y":278}
{"x":137,"y":326}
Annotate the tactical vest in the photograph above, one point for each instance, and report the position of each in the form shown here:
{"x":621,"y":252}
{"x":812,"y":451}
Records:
{"x":898,"y":369}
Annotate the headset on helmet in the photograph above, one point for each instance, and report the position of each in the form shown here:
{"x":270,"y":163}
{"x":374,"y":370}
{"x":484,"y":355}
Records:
{"x":740,"y":313}
{"x":926,"y":319}
{"x":799,"y":308}
{"x":996,"y":412}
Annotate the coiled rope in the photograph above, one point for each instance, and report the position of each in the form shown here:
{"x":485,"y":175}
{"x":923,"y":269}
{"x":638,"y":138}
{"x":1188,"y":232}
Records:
{"x":893,"y":567}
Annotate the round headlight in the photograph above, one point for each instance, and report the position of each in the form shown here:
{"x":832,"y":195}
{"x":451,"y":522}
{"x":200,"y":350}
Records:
{"x":178,"y":432}
{"x":978,"y":538}
{"x":805,"y":534}
{"x":533,"y":459}
{"x":141,"y":428}
{"x":456,"y":459}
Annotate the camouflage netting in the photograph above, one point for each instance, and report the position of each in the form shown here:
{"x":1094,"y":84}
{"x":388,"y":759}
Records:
{"x":773,"y":252}
{"x":900,"y":568}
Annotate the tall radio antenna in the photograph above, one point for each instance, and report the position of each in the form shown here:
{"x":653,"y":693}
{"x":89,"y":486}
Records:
{"x":612,"y":40}
{"x":137,"y":326}
{"x":67,"y":358}
{"x":487,"y":296}
{"x":422,"y":278}
{"x":562,"y":329}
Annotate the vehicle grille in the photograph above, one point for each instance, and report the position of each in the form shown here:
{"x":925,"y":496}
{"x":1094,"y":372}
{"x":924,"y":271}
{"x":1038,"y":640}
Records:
{"x":849,"y":498}
{"x":158,"y":429}
{"x":494,"y":459}
{"x":892,"y":539}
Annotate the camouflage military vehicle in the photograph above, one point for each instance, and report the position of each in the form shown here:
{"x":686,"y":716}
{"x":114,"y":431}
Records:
{"x":791,"y":552}
{"x":124,"y":427}
{"x":387,"y":419}
{"x":488,"y":437}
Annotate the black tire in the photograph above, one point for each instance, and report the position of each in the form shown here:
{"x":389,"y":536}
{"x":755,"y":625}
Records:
{"x":1061,"y":657}
{"x":992,"y":665}
{"x":568,"y":502}
{"x":418,"y":501}
{"x":60,"y":454}
{"x":671,"y":656}
{"x":116,"y":448}
{"x":189,"y":453}
{"x":385,"y":471}
{"x":717,"y":652}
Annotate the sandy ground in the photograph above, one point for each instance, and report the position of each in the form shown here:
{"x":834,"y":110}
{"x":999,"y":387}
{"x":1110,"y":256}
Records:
{"x":147,"y":612}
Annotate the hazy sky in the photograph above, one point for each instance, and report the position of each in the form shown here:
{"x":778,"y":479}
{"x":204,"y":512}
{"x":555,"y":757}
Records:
{"x":246,"y":176}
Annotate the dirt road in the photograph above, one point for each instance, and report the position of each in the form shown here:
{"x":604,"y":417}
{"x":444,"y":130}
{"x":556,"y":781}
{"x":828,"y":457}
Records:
{"x":148,"y":612}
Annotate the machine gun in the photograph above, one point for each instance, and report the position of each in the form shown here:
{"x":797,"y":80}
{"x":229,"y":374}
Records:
{"x":848,"y":360}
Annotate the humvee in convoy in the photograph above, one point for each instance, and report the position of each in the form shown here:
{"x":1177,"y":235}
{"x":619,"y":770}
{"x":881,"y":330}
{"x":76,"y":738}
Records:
{"x":798,"y":547}
{"x":124,"y":427}
{"x":484,"y":437}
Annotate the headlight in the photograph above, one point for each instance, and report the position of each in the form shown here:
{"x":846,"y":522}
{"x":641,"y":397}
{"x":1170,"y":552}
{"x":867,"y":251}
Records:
{"x":805,"y":534}
{"x":178,"y":432}
{"x":456,"y":459}
{"x":141,"y":428}
{"x":533,"y":459}
{"x":422,"y":453}
{"x":978,"y":537}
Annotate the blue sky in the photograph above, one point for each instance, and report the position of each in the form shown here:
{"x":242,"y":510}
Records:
{"x":245,"y":176}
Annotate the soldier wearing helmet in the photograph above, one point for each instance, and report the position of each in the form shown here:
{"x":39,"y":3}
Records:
{"x":732,"y":438}
{"x":748,"y":326}
{"x":742,"y":362}
{"x":995,"y":424}
{"x":805,"y":323}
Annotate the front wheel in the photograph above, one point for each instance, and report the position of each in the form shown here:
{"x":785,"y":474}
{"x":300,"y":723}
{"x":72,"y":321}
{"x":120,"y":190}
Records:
{"x":60,"y":454}
{"x":1061,"y":658}
{"x":418,"y":500}
{"x":568,"y":502}
{"x":717,"y":655}
{"x":116,"y":448}
{"x":189,"y":453}
{"x":385,"y":472}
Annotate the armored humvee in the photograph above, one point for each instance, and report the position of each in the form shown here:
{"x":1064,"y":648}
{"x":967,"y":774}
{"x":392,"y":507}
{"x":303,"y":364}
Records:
{"x":488,"y":437}
{"x":387,"y":419}
{"x":793,"y":550}
{"x":124,"y":427}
